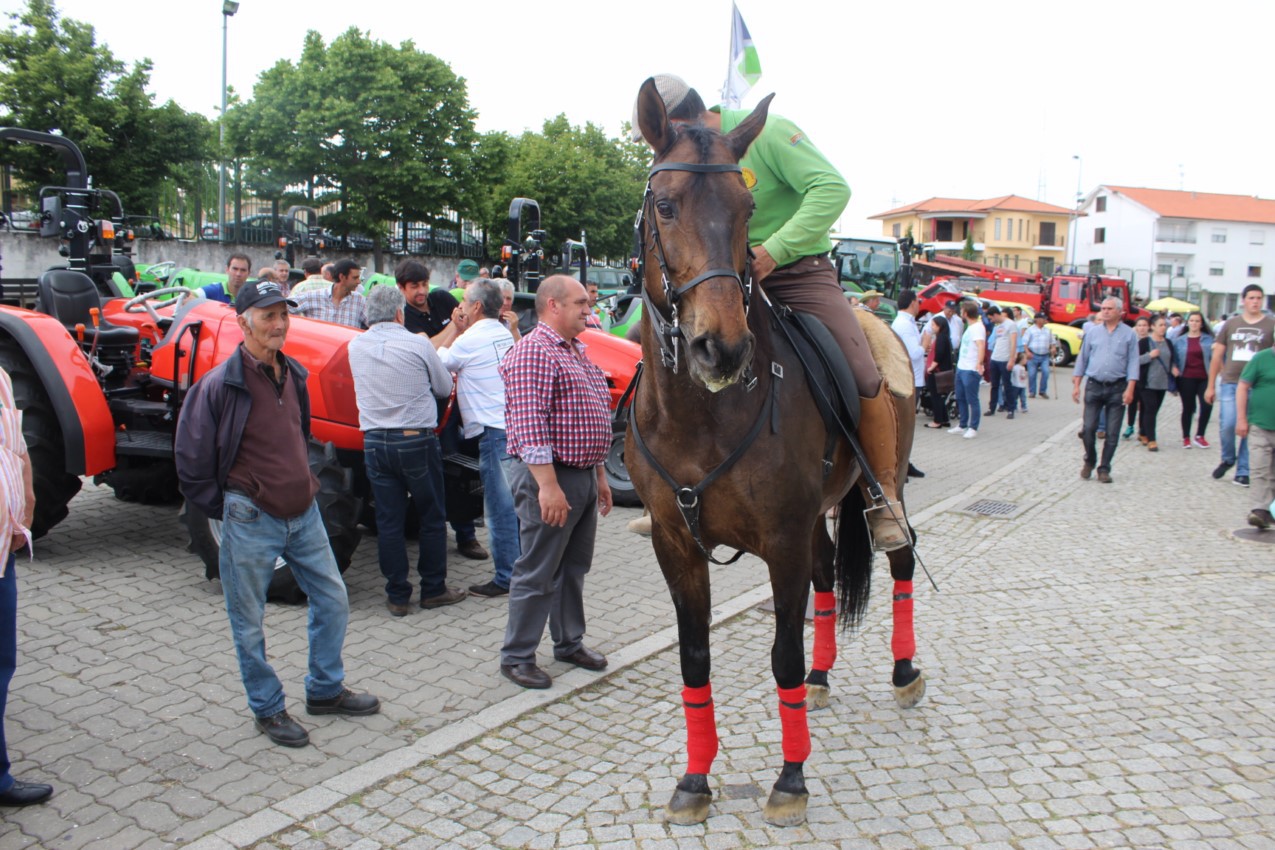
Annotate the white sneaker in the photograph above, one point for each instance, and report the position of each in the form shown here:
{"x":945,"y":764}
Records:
{"x":955,"y":429}
{"x":971,"y":434}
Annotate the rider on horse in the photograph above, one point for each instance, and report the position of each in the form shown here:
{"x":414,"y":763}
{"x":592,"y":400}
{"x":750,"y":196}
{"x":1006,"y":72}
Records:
{"x":799,"y":196}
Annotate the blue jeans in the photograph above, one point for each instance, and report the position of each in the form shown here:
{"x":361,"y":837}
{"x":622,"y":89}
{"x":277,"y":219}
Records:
{"x":401,"y":463}
{"x":494,"y":463}
{"x":967,"y":407}
{"x":1227,"y":416}
{"x":1039,"y":364}
{"x":1102,"y":401}
{"x":251,"y":542}
{"x":8,"y":658}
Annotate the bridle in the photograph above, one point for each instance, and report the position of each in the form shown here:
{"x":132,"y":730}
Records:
{"x":668,"y":332}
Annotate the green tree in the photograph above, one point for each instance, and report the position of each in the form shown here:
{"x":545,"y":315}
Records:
{"x":967,"y":250}
{"x":582,"y":180}
{"x":384,"y":131}
{"x":54,"y":76}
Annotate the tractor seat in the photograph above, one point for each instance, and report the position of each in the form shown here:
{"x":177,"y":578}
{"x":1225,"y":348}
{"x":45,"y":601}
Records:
{"x":67,"y":296}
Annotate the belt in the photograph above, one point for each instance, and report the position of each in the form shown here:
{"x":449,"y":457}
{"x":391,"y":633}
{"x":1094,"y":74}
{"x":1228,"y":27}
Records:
{"x":410,"y":432}
{"x":1107,"y":383}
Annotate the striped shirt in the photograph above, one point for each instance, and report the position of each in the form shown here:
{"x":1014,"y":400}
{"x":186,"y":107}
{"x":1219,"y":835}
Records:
{"x":557,"y":406}
{"x":397,"y":375}
{"x":13,"y":446}
{"x":318,"y":304}
{"x":475,"y":358}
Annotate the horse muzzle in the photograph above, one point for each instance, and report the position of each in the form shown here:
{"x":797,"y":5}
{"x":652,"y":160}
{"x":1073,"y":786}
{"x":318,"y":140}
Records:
{"x":718,"y":364}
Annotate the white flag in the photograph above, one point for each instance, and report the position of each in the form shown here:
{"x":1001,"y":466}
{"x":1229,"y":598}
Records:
{"x":745,"y":68}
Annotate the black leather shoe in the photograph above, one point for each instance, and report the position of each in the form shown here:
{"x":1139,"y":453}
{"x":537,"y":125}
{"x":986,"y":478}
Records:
{"x":347,"y":702}
{"x":25,"y":794}
{"x":489,"y":589}
{"x":283,"y":730}
{"x":526,"y":675}
{"x":913,"y":472}
{"x":586,"y":658}
{"x":473,"y":549}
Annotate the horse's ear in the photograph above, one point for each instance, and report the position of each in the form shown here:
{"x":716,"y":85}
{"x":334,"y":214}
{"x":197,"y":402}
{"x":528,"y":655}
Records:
{"x":742,"y":136}
{"x":652,"y":118}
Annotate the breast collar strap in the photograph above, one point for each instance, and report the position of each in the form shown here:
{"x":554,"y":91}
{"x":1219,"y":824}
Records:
{"x":667,"y":330}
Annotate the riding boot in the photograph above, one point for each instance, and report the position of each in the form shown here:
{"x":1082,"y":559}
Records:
{"x":878,"y":435}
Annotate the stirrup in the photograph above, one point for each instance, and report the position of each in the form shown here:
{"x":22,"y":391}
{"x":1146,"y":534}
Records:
{"x":890,"y":517}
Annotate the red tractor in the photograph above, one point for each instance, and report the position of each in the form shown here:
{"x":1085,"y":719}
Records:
{"x":101,"y":382}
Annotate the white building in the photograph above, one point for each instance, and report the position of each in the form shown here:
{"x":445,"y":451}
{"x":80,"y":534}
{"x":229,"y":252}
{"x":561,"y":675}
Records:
{"x":1193,"y":245}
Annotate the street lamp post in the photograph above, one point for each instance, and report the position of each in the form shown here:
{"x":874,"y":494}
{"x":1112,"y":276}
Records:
{"x":228,"y":8}
{"x":1075,"y":216}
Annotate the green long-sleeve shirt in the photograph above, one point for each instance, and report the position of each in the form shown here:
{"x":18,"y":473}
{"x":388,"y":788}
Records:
{"x":799,"y":194}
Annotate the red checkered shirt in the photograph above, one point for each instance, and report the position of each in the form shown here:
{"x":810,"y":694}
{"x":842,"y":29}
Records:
{"x":557,"y":407}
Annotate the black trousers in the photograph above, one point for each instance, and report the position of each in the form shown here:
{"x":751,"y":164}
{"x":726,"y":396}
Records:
{"x":1099,"y":398}
{"x":1192,"y":391}
{"x":1150,"y":404}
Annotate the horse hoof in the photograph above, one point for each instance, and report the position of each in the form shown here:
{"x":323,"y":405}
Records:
{"x":817,"y":696}
{"x":910,"y":694}
{"x":785,"y":809}
{"x":687,"y":807}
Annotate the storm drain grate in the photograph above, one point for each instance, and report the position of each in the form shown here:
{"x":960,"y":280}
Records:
{"x":992,"y":508}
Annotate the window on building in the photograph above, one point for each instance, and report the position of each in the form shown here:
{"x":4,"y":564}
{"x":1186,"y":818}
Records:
{"x":1216,"y":270}
{"x":1047,"y":266}
{"x":897,"y":230}
{"x":1257,"y":237}
{"x":997,"y":230}
{"x":1097,"y":266}
{"x":1100,"y":203}
{"x":1099,"y":235}
{"x":1180,"y":271}
{"x":943,"y":231}
{"x":1164,"y":268}
{"x":1020,"y":230}
{"x":1254,"y":271}
{"x":1219,"y":234}
{"x":1048,"y":233}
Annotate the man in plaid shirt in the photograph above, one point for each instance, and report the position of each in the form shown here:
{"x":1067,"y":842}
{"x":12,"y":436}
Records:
{"x":341,"y":303}
{"x":557,"y":415}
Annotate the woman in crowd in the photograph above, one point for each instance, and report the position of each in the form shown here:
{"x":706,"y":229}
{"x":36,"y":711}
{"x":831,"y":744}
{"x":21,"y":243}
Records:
{"x":1192,"y":349}
{"x":938,"y":359}
{"x":1141,"y":327}
{"x":1156,"y":376}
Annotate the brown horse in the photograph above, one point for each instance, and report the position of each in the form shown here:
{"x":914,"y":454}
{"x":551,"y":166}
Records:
{"x":726,"y":447}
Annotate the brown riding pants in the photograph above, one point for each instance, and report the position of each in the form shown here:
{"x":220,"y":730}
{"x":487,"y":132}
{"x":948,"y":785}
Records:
{"x":810,"y":285}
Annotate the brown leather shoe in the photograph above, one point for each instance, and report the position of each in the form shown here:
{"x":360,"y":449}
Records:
{"x":527,"y":675}
{"x":473,"y":549}
{"x":1104,"y":476}
{"x":450,"y":596}
{"x":586,"y":658}
{"x":398,"y":609}
{"x":1086,"y":470}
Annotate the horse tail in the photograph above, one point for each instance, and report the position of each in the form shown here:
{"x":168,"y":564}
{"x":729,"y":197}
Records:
{"x":853,"y":559}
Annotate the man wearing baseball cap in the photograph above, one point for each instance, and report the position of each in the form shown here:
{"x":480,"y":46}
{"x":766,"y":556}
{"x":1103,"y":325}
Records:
{"x":466,"y":273}
{"x":262,"y":490}
{"x":799,"y":196}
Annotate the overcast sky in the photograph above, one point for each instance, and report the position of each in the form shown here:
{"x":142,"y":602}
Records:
{"x":908,"y":100}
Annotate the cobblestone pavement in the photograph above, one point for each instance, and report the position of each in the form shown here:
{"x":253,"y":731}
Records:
{"x":1080,"y":659}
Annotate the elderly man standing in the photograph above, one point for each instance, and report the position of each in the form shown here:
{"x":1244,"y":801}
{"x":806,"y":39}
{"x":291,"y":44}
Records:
{"x":472,"y":346}
{"x":1109,"y":359}
{"x":558,"y":415}
{"x":341,"y":303}
{"x":262,"y":489}
{"x":397,"y":377}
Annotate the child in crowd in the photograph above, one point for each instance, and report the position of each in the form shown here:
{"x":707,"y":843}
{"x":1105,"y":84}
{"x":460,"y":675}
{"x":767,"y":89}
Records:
{"x":1018,"y":380}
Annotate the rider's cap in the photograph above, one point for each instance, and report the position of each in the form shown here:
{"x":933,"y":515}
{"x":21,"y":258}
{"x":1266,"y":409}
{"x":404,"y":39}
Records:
{"x":260,"y":293}
{"x":672,"y":90}
{"x":467,"y":270}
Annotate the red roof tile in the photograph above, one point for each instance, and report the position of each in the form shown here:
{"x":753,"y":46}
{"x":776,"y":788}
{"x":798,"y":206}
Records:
{"x":1201,"y":205}
{"x":959,"y":205}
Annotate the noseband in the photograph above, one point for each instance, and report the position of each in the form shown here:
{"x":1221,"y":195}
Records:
{"x":668,"y":331}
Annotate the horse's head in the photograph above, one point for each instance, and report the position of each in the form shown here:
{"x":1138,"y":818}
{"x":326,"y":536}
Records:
{"x":695,"y":238}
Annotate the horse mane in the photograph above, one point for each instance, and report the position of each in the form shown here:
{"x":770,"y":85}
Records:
{"x":701,"y":135}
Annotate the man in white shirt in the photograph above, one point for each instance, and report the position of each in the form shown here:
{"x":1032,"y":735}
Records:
{"x":471,"y":347}
{"x":905,"y":327}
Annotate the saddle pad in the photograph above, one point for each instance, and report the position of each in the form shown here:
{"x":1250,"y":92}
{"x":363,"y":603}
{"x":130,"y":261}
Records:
{"x":828,"y":369}
{"x":888,"y":352}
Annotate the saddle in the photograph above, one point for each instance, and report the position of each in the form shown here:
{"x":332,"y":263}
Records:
{"x":831,"y":382}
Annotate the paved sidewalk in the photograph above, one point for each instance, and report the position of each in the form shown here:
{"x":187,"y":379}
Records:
{"x":1078,"y":658}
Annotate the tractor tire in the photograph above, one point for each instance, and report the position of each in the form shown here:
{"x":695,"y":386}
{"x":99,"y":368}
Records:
{"x":623,"y":492}
{"x":148,"y":481}
{"x":54,"y":486}
{"x":338,"y":505}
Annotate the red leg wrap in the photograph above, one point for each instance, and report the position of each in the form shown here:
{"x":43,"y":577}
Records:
{"x":825,"y":631}
{"x":792,"y":719}
{"x":701,"y":728}
{"x":904,"y":641}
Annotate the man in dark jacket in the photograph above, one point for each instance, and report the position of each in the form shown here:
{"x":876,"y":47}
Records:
{"x":263,"y":491}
